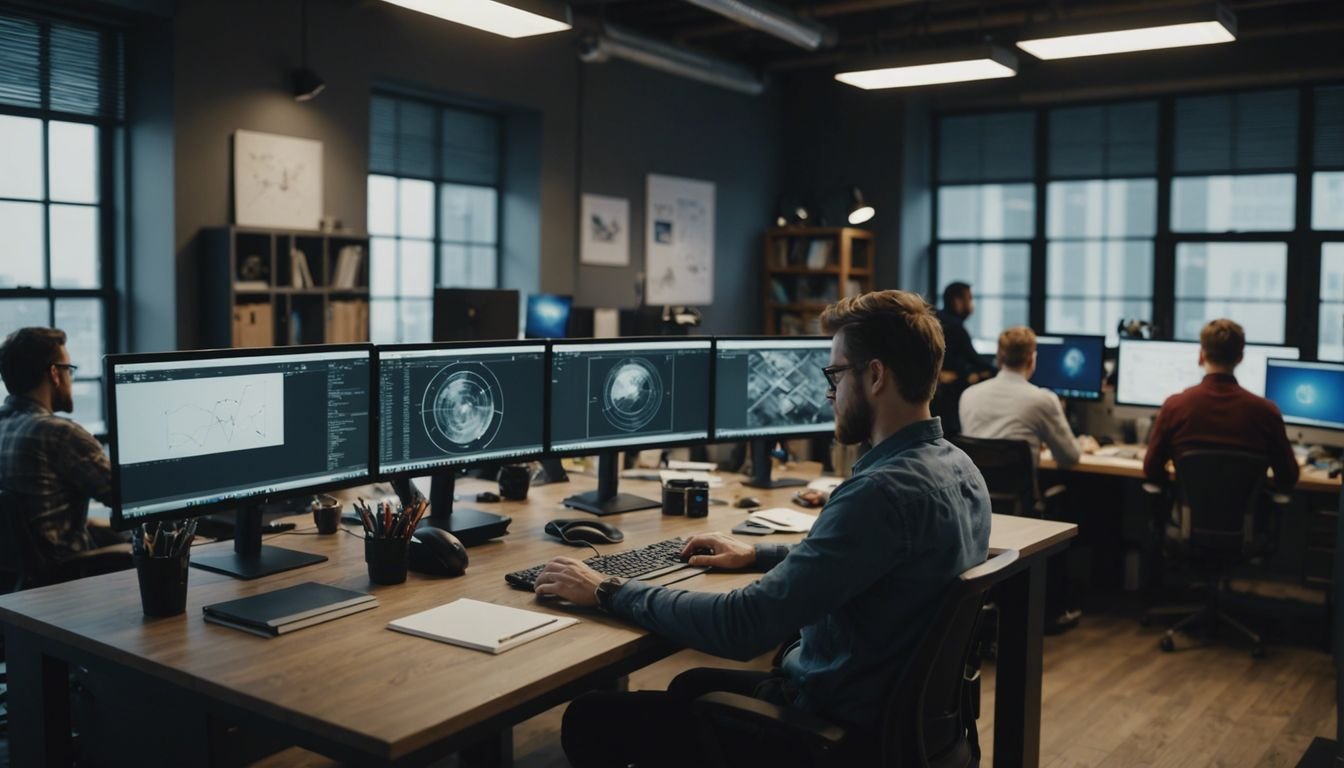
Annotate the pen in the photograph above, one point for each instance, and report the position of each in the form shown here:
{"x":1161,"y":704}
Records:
{"x":516,"y":635}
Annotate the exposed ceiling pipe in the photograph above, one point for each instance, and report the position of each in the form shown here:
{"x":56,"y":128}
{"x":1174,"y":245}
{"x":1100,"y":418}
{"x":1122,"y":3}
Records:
{"x":617,"y":42}
{"x":764,"y":16}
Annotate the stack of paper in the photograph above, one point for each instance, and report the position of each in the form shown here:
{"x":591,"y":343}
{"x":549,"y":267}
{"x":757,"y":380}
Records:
{"x":783,"y":520}
{"x":481,"y":626}
{"x":285,"y":610}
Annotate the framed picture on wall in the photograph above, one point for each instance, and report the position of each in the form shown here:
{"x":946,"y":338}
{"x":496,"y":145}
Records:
{"x":277,"y":181}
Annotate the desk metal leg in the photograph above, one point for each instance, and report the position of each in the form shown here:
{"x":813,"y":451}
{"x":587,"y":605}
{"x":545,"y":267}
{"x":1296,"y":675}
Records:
{"x":494,"y":751}
{"x":38,"y":700}
{"x":1017,"y":681}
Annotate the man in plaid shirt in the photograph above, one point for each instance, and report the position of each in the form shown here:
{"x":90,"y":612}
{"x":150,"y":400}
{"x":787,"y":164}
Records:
{"x":51,"y":463}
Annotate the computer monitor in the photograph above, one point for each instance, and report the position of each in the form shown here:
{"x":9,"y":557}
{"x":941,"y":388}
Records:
{"x":475,"y":314}
{"x":1308,"y":394}
{"x":771,"y":387}
{"x":446,"y":406}
{"x":196,"y":432}
{"x":547,"y":316}
{"x":610,"y":395}
{"x":1151,"y":371}
{"x":1070,"y":366}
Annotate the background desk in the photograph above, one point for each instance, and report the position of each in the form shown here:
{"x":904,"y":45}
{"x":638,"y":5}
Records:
{"x":354,"y":691}
{"x":1313,"y":480}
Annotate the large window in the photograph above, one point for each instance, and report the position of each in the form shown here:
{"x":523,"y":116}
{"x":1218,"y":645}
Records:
{"x":1331,"y":344}
{"x":986,"y":216}
{"x":433,"y":210}
{"x":60,"y":116}
{"x":1101,"y":217}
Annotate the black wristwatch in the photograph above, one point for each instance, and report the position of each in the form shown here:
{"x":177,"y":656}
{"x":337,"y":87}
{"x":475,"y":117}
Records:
{"x":606,"y":590}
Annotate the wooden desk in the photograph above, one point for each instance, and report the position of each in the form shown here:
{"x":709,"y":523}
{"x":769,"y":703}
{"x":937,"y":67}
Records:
{"x":1313,"y":480}
{"x":354,"y":691}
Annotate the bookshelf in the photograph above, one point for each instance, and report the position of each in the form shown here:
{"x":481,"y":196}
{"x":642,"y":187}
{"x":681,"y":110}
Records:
{"x":263,"y":287}
{"x":807,"y":268}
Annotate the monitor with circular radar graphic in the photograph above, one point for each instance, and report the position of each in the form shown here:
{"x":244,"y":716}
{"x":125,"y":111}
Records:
{"x":608,"y":396}
{"x":442,"y":407}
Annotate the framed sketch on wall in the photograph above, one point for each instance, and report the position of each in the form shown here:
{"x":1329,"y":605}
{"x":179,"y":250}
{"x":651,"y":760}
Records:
{"x":605,"y":225}
{"x":679,"y":242}
{"x":277,"y":181}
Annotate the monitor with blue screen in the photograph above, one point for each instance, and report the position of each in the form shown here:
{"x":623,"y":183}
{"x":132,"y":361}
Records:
{"x":547,"y":316}
{"x":1070,"y":366}
{"x":1308,"y":394}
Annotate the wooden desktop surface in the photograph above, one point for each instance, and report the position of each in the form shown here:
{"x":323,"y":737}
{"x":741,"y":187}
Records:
{"x":359,"y":689}
{"x":1312,"y":480}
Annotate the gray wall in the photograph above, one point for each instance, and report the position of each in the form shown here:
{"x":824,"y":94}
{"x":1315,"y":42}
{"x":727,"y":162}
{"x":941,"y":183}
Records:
{"x":231,"y":64}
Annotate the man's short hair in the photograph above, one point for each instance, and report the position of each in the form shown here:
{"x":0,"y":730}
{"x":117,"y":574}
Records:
{"x":955,"y":291}
{"x":1223,"y":342}
{"x":896,"y":327}
{"x":27,"y":355}
{"x":1016,"y":346}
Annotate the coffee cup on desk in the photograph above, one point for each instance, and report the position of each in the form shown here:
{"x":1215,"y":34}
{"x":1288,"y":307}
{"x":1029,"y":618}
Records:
{"x":326,"y":513}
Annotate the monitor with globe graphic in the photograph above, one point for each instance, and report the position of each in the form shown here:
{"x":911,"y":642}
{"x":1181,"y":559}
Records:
{"x":1308,"y":394}
{"x":626,"y":393}
{"x":1070,"y":366}
{"x":451,"y":405}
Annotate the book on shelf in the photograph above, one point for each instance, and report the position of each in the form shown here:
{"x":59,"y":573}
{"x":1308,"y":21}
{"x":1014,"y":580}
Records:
{"x":779,"y":292}
{"x":819,"y":252}
{"x":348,"y":263}
{"x":347,"y":321}
{"x":300,"y":275}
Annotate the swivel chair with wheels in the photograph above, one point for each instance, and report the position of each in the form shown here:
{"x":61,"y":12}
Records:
{"x":27,"y":563}
{"x":928,"y":717}
{"x":1010,"y":476}
{"x":1212,"y":527}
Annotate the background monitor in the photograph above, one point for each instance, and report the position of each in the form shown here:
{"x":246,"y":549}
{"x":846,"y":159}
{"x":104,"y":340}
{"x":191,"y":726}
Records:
{"x":625,"y":393}
{"x":1070,"y":366}
{"x":1308,"y":394}
{"x":771,"y":387}
{"x":547,"y":316}
{"x":449,"y":406}
{"x":1151,"y":371}
{"x":193,"y":432}
{"x":474,"y":314}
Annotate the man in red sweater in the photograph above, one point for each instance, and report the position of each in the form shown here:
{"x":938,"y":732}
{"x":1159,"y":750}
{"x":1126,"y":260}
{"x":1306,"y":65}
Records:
{"x":1217,"y":413}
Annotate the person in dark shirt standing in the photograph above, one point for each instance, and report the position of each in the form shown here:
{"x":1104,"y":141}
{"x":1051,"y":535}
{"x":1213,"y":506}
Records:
{"x":1218,"y":413}
{"x":859,"y":589}
{"x":962,"y":365}
{"x":52,"y":463}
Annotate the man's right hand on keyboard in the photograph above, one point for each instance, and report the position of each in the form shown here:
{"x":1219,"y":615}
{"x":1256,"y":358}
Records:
{"x":718,"y":550}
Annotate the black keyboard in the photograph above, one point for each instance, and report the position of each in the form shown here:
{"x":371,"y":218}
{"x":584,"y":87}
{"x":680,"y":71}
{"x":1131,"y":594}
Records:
{"x":643,"y":563}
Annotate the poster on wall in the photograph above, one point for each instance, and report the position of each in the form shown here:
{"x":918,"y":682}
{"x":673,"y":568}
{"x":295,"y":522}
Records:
{"x":605,"y":224}
{"x":679,"y":242}
{"x":277,"y":181}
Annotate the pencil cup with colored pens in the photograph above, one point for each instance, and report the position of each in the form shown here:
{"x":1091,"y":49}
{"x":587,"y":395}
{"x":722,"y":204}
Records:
{"x":161,"y":558}
{"x":387,"y":538}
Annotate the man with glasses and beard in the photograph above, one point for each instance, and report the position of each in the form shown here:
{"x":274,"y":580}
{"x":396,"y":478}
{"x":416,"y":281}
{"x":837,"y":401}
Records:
{"x":51,"y":464}
{"x":858,"y":591}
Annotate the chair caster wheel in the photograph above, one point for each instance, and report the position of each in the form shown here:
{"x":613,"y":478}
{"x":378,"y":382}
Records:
{"x":1167,"y":644}
{"x":1257,"y":651}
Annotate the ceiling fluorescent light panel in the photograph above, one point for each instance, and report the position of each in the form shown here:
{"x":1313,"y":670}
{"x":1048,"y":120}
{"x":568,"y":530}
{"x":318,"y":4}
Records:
{"x":1204,"y":25}
{"x":957,"y":67}
{"x":508,"y":20}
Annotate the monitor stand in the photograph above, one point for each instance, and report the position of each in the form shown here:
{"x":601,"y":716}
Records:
{"x":605,"y":500}
{"x":249,"y":558}
{"x":470,"y":526}
{"x":760,"y":469}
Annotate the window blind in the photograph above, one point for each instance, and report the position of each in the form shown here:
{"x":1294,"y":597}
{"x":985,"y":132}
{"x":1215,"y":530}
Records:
{"x":1103,"y":141}
{"x":1329,"y":133}
{"x":412,"y":138}
{"x":1223,"y":133}
{"x":986,"y":148}
{"x":82,"y":65}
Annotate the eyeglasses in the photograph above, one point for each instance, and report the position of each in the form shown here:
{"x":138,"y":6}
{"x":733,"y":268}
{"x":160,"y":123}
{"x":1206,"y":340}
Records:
{"x":67,"y":366}
{"x":833,"y":373}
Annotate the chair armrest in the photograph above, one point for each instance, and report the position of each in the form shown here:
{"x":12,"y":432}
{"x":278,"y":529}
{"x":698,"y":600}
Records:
{"x":1281,"y":499}
{"x":114,"y":557}
{"x":734,"y":711}
{"x":1153,"y":489}
{"x":1053,"y":491}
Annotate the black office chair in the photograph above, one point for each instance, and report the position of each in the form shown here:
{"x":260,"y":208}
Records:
{"x":1010,"y":475}
{"x":1212,"y":525}
{"x":28,"y":564}
{"x":928,"y":718}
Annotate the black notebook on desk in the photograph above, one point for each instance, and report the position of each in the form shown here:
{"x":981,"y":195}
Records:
{"x":285,"y":610}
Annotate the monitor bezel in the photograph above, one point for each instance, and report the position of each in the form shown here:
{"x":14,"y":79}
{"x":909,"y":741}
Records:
{"x":715,"y":437}
{"x":449,"y":346}
{"x":552,"y":344}
{"x":1195,"y":344}
{"x":1101,"y":382}
{"x":121,"y":523}
{"x":1304,"y":424}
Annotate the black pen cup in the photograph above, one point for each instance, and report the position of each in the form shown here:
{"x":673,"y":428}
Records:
{"x":514,"y":480}
{"x":386,"y":558}
{"x":163,"y":583}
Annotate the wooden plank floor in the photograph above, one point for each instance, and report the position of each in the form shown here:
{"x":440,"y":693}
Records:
{"x":1111,"y":698}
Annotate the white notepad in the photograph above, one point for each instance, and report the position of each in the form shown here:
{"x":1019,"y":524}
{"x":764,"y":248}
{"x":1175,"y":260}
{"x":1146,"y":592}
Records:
{"x":482,"y":626}
{"x":783,"y":520}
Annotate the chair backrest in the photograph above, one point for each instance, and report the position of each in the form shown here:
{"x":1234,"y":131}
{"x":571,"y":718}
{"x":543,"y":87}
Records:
{"x":1220,"y":490}
{"x":20,"y":553}
{"x":1010,"y":474}
{"x":923,"y":720}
